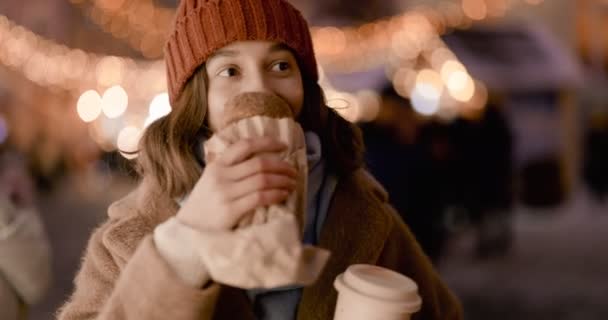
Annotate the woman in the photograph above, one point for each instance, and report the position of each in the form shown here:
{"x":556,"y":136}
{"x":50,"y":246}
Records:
{"x":219,"y":49}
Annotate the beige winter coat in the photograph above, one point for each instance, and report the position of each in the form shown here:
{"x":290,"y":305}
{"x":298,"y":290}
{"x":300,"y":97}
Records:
{"x":123,"y":276}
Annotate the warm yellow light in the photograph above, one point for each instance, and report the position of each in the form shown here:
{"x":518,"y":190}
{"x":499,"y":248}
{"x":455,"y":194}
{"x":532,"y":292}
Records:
{"x":128,"y":141}
{"x":461,"y":86}
{"x":404,"y":80}
{"x":406,"y":44}
{"x":89,"y":106}
{"x":450,"y":67}
{"x":457,"y":81}
{"x":431,"y":77}
{"x":439,"y":57}
{"x":33,"y":69}
{"x":159,"y":107}
{"x":109,"y":71}
{"x":75,"y":63}
{"x":114,"y":102}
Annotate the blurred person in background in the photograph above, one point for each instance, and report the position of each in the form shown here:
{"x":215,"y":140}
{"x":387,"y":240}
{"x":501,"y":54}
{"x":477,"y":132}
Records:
{"x":432,"y":178}
{"x":25,"y":266}
{"x":483,"y":176}
{"x":409,"y":157}
{"x":389,"y":148}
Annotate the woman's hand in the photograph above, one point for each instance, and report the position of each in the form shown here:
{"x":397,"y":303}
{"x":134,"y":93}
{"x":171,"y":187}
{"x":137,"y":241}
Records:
{"x":249,"y":174}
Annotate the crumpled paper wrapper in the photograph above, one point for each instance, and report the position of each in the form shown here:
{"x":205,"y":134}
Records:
{"x":265,"y":251}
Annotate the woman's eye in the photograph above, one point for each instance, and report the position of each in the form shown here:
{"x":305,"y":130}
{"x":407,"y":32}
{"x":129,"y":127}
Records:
{"x":281,"y":66}
{"x":228,"y":72}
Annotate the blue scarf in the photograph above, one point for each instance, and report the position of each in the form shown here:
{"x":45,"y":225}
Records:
{"x":282,"y":303}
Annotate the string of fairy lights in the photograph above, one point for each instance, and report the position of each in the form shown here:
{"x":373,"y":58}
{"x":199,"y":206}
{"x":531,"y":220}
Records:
{"x":408,"y":46}
{"x":141,"y":23}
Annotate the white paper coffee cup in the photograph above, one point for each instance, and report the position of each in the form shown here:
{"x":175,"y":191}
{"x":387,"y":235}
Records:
{"x":368,"y":292}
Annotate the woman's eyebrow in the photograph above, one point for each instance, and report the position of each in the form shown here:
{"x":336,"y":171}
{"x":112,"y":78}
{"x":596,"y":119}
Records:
{"x":223,"y":53}
{"x":278,"y":47}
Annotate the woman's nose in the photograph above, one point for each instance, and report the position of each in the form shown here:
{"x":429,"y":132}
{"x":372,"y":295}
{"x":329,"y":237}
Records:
{"x":256,"y":82}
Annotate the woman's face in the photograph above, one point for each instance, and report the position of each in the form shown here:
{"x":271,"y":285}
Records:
{"x":252,"y":66}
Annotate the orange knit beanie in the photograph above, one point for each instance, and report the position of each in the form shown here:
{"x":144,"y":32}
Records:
{"x":203,"y":26}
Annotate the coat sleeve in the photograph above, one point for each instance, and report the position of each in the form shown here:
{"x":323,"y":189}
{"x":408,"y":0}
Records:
{"x":144,"y":288}
{"x":402,"y":253}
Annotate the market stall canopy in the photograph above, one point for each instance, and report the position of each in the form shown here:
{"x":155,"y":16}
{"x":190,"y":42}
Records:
{"x":523,"y":57}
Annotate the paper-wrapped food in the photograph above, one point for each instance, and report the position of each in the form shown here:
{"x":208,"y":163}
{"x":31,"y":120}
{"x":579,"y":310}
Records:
{"x":265,"y":251}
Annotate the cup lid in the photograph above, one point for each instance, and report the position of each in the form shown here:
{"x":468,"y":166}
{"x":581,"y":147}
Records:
{"x":381,"y":283}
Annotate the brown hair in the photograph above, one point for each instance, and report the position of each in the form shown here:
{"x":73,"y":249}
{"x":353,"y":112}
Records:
{"x":169,"y":145}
